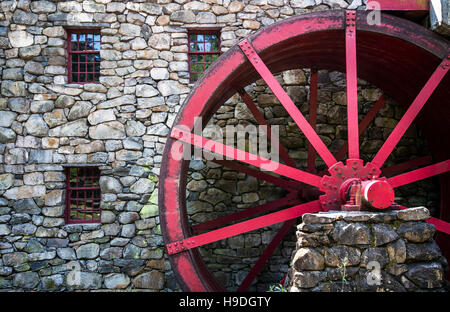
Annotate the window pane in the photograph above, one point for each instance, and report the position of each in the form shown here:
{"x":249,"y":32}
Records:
{"x":90,"y":37}
{"x":82,"y":57}
{"x":75,"y":77}
{"x":73,"y":37}
{"x":75,"y":68}
{"x":89,"y":46}
{"x":192,"y":46}
{"x":90,"y":77}
{"x":208,"y":46}
{"x":74,"y":57}
{"x":82,"y":37}
{"x":90,"y":68}
{"x":97,"y":77}
{"x":74,"y":46}
{"x":200,"y":38}
{"x":82,"y":78}
{"x":97,"y":46}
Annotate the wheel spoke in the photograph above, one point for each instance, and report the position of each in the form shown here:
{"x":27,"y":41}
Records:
{"x":313,"y":86}
{"x":287,"y":102}
{"x":251,"y":159}
{"x":417,"y":162}
{"x":420,"y":174}
{"x":288,"y":200}
{"x":262,"y":121}
{"x":411,"y":113}
{"x":363,"y":124}
{"x":268,"y":251}
{"x":352,"y":86}
{"x":243,"y":227}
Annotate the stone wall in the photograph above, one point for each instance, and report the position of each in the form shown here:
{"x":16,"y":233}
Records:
{"x":362,"y":251}
{"x":121,"y":124}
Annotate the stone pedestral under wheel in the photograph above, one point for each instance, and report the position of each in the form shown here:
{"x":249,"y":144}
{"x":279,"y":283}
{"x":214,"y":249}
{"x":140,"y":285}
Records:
{"x":366,"y":251}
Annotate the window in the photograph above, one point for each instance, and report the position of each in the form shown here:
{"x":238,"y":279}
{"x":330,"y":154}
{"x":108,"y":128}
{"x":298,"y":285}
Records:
{"x":204,"y":48}
{"x":83,"y":195}
{"x":84,"y":56}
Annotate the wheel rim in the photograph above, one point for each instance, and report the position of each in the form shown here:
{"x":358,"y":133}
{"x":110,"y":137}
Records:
{"x":319,"y":45}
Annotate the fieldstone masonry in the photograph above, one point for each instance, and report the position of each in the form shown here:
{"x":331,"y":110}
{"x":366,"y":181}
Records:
{"x":366,"y":251}
{"x":120,"y":125}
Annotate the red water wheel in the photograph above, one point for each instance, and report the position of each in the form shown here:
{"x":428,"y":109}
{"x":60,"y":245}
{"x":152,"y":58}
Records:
{"x":408,"y":62}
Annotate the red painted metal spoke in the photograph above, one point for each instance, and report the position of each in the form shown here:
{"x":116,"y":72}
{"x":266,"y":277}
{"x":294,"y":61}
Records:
{"x":411,"y":113}
{"x":287,"y":102}
{"x":243,"y":227}
{"x":421,"y":161}
{"x":266,"y":255}
{"x":262,"y":121}
{"x":313,"y":86}
{"x":352,"y":86}
{"x":288,"y":185}
{"x":363,"y":124}
{"x":440,"y":225}
{"x":288,"y":200}
{"x":251,"y":159}
{"x":420,"y":174}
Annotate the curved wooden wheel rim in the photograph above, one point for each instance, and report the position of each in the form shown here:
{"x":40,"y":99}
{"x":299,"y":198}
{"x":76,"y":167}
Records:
{"x":314,"y":40}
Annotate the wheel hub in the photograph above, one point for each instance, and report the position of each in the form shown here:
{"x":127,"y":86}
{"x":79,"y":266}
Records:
{"x":354,"y":186}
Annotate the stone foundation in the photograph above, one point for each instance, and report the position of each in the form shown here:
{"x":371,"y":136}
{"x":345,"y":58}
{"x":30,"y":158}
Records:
{"x":366,"y":251}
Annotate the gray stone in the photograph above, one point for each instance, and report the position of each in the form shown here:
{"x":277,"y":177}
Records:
{"x":383,"y":234}
{"x":128,"y":217}
{"x":66,"y":253}
{"x":20,"y":39}
{"x":414,"y":214}
{"x":14,"y":258}
{"x":26,"y":280}
{"x":308,"y":259}
{"x":149,"y":280}
{"x":26,"y":205}
{"x":117,"y":281}
{"x":78,"y":128}
{"x":79,"y":110}
{"x":110,"y":185}
{"x":422,"y":252}
{"x":142,"y":186}
{"x":6,"y":181}
{"x":84,"y":280}
{"x":43,"y":7}
{"x":417,"y":232}
{"x":351,"y":233}
{"x":308,"y":279}
{"x":26,"y":18}
{"x":40,"y":157}
{"x":36,"y":126}
{"x":337,"y":256}
{"x":109,"y":130}
{"x":378,"y":254}
{"x":135,"y":128}
{"x":88,"y":251}
{"x":426,"y":275}
{"x":7,"y":135}
{"x":19,"y":105}
{"x":397,"y":251}
{"x":53,"y":282}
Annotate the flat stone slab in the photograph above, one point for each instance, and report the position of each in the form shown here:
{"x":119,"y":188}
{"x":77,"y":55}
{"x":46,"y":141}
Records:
{"x":326,"y":217}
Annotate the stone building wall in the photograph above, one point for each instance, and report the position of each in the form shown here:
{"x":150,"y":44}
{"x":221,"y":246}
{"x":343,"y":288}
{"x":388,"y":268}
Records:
{"x":363,"y":251}
{"x":120,"y":125}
